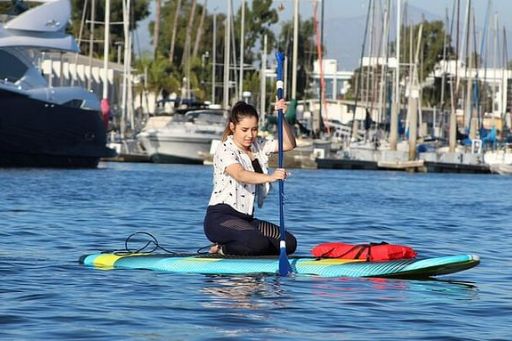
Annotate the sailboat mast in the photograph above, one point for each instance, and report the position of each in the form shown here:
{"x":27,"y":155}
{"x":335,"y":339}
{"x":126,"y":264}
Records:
{"x":393,"y":134}
{"x":106,"y":47}
{"x":126,"y":113}
{"x":319,"y":43}
{"x":504,"y":86}
{"x":369,"y":68}
{"x":359,"y":82}
{"x":384,"y":66}
{"x":214,"y":55}
{"x":227,"y":38}
{"x":242,"y":39}
{"x":91,"y":43}
{"x":173,"y":34}
{"x":295,"y":47}
{"x":495,"y":69}
{"x":263,"y":80}
{"x":414,"y":96}
{"x":455,"y":93}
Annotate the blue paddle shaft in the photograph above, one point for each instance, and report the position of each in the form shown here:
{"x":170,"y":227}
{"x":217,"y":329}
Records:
{"x":284,"y":264}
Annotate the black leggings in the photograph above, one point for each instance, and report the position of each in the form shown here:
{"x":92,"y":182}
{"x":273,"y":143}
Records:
{"x":241,"y":234}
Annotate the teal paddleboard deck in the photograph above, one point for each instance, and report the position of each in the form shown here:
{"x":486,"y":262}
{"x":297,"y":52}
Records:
{"x":213,"y":264}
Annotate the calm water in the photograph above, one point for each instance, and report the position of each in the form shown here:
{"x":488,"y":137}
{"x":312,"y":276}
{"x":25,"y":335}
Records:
{"x":51,"y":217}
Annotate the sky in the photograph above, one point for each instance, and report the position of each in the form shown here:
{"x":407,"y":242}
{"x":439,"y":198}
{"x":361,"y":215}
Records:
{"x":345,"y":20}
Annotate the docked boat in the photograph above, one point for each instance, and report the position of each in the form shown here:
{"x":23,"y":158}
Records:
{"x":499,"y":161}
{"x":43,"y":126}
{"x":186,"y":138}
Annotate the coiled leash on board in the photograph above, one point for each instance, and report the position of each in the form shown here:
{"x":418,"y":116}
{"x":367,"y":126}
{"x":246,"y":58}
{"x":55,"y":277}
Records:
{"x":151,"y":245}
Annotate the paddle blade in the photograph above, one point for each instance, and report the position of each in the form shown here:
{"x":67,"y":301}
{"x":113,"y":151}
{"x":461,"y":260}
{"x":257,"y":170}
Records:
{"x":285,"y":269}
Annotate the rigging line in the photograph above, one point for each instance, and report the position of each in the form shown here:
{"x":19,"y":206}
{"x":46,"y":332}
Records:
{"x":475,"y":105}
{"x":319,"y":48}
{"x":505,"y":72}
{"x":443,"y":77}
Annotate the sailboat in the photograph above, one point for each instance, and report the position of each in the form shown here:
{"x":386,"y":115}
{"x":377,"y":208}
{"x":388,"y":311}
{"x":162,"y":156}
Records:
{"x":127,"y":146}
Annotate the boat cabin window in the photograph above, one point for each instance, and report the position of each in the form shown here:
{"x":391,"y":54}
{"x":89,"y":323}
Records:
{"x":11,"y":68}
{"x":206,"y":117}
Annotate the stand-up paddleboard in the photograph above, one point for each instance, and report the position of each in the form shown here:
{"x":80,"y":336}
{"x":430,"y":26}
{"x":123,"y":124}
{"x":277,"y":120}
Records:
{"x":226,"y":265}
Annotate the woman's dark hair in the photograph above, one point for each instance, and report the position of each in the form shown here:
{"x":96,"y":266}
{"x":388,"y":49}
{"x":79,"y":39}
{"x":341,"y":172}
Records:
{"x":239,"y":111}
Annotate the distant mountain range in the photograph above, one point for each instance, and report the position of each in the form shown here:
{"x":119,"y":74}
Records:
{"x":344,"y":36}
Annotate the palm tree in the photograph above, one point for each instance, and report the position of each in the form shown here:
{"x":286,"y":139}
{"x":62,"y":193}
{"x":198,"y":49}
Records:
{"x":156,"y":32}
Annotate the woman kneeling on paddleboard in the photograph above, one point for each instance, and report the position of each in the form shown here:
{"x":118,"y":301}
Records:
{"x":240,"y":177}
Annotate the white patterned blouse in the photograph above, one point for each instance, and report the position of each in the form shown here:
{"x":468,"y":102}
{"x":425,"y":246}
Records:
{"x":227,"y":190}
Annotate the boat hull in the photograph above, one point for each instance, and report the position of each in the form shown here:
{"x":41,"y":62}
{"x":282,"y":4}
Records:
{"x":176,"y":149}
{"x":36,"y":133}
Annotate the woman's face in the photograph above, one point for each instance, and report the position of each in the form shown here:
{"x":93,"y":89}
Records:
{"x":245,"y":132}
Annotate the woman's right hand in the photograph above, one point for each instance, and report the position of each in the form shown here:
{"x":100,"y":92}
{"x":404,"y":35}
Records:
{"x":279,"y":174}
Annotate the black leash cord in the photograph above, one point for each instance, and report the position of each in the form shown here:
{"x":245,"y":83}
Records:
{"x":152,"y":241}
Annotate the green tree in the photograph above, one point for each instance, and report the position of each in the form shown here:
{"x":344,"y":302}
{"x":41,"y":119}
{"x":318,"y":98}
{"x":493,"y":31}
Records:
{"x":307,"y":52}
{"x":431,"y":46}
{"x":259,"y":18}
{"x":139,"y":11}
{"x":167,"y":23}
{"x":431,"y":51}
{"x":159,"y":78}
{"x":16,"y":8}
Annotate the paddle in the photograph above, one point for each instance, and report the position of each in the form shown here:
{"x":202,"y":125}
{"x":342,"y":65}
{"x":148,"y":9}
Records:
{"x":284,"y":265}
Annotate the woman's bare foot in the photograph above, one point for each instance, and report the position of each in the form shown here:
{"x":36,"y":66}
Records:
{"x":215,"y":248}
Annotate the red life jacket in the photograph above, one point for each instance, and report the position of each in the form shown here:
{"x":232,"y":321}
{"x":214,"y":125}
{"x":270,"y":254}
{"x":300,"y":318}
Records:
{"x":369,"y":252}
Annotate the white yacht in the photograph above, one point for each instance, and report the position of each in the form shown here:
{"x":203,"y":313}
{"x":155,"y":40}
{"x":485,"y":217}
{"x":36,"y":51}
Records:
{"x":186,"y":138}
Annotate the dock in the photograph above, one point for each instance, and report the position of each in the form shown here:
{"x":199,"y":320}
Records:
{"x":447,"y":167}
{"x":410,"y":166}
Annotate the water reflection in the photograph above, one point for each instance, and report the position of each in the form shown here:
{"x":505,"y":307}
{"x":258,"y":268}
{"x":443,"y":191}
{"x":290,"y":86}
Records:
{"x":264,"y":292}
{"x":383,"y":288}
{"x":247,"y":292}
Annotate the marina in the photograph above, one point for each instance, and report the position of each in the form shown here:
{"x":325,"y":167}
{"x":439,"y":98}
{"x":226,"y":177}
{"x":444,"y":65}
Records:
{"x":347,"y":126}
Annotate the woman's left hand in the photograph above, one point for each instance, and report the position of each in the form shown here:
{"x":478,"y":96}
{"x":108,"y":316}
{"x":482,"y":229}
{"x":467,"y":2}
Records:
{"x":281,"y":104}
